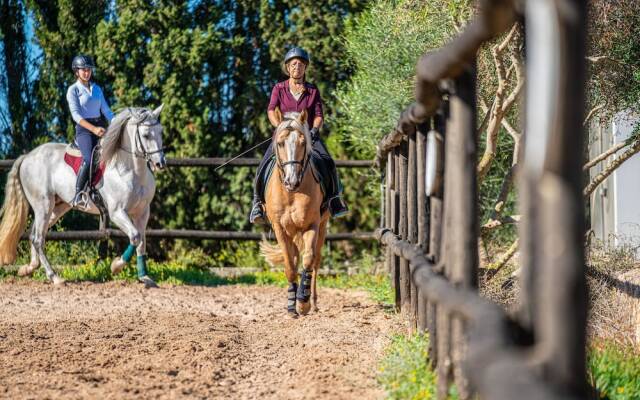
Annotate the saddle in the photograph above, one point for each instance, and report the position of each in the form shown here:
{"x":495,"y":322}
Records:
{"x":320,"y":170}
{"x":73,"y":158}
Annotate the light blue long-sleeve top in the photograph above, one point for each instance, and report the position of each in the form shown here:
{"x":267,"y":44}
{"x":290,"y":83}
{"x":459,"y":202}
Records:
{"x":87,"y":102}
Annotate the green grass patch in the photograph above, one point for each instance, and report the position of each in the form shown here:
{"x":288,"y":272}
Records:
{"x":614,"y":372}
{"x":187,"y":271}
{"x":405,"y":372}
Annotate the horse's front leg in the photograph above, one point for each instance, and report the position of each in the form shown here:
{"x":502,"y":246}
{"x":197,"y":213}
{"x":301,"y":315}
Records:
{"x":141,"y":250}
{"x":123,"y":221}
{"x":287,"y":247}
{"x":309,"y":238}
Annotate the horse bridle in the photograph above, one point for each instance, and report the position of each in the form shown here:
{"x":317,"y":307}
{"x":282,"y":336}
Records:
{"x":304,"y":163}
{"x":138,"y":144}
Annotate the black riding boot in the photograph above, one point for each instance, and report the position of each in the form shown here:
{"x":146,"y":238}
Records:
{"x":257,"y":216}
{"x":337,"y":205}
{"x":81,"y":182}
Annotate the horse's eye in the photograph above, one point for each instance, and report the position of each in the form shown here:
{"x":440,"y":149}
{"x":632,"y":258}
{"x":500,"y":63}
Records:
{"x":280,"y":144}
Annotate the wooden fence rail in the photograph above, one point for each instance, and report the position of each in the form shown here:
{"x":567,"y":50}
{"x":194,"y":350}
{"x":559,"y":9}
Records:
{"x":106,"y":233}
{"x":110,"y":233}
{"x":430,"y":219}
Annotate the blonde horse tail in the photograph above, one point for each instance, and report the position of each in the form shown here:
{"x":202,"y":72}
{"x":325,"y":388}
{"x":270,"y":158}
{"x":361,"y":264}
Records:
{"x":275,"y":255}
{"x":14,"y":213}
{"x":272,"y":253}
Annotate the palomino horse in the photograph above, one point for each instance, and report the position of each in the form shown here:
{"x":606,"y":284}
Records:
{"x":41,"y":179}
{"x":293,"y":199}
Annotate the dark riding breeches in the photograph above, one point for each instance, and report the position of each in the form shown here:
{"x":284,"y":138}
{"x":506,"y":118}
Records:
{"x":86,"y":140}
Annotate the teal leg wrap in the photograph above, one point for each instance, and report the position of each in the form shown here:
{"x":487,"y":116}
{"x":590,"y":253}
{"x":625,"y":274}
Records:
{"x":128,"y":253}
{"x":142,"y":266}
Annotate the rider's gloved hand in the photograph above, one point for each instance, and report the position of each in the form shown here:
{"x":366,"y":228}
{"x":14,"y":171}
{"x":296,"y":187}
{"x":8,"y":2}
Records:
{"x":315,"y":134}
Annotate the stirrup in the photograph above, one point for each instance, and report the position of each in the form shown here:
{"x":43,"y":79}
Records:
{"x":337,"y":207}
{"x":81,"y":200}
{"x":257,"y":214}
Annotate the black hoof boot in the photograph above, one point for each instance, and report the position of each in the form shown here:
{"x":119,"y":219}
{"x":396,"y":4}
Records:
{"x":304,"y":290}
{"x":257,"y":213}
{"x":291,"y":300}
{"x":337,"y":207}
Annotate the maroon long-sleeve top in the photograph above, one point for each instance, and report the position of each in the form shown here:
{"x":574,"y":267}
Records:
{"x":310,"y":100}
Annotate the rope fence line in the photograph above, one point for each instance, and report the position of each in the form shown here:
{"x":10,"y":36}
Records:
{"x":430,"y":219}
{"x":217,"y":161}
{"x":110,"y":233}
{"x":105,"y":233}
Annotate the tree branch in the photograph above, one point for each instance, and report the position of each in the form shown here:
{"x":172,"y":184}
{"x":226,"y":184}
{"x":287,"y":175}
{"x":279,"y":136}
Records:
{"x":635,"y":147}
{"x":500,"y":105}
{"x":496,"y":223}
{"x":604,"y":155}
{"x":519,"y":85}
{"x":504,"y":259}
{"x":591,"y":113}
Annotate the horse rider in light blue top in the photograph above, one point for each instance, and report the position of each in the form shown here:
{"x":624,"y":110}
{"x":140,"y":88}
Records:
{"x":88,"y":107}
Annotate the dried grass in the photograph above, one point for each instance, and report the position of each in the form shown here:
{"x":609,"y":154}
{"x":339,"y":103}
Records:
{"x":613,"y":278}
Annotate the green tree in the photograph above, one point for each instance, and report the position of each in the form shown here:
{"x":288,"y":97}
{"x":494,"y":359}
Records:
{"x":383,"y":45}
{"x":63,"y":28}
{"x":19,"y":120}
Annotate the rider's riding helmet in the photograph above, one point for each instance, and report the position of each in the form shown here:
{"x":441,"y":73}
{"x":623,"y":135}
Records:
{"x":82,"y":61}
{"x":295,"y":52}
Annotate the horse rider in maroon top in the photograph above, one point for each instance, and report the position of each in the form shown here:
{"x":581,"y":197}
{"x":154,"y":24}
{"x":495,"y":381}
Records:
{"x":295,"y":95}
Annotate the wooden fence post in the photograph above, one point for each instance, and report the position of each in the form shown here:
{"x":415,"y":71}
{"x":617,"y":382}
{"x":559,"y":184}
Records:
{"x":412,"y":224}
{"x":405,"y":284}
{"x":422,"y":216}
{"x":103,"y":246}
{"x":395,"y":223}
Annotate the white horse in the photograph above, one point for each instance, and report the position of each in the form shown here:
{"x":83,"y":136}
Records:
{"x":130,"y":147}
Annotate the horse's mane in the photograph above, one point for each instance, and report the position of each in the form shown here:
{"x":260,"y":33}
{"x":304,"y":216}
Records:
{"x":290,"y":121}
{"x":113,"y":137}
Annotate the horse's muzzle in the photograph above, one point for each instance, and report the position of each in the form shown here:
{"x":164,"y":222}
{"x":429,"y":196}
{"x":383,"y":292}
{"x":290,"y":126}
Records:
{"x":160,"y":165}
{"x":292,"y":187}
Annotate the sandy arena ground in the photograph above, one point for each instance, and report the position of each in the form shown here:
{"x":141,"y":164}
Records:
{"x":118,"y":340}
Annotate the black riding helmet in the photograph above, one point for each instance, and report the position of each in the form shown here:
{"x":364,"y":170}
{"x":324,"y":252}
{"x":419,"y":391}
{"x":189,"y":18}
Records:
{"x":82,"y":61}
{"x":295,"y":52}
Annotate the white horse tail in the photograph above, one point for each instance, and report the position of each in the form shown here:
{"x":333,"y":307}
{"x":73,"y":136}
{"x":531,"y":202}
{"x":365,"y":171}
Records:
{"x":14,"y":213}
{"x":274,"y":254}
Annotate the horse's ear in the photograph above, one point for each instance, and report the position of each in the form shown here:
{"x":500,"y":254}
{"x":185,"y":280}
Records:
{"x":157,"y":111}
{"x":278,"y":115}
{"x":303,"y":117}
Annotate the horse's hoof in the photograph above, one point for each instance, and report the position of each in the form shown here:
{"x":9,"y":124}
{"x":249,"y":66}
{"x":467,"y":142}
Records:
{"x":316,"y":309}
{"x":148,"y":282}
{"x":293,"y":314}
{"x":303,"y":308}
{"x":57,"y":281}
{"x":25,"y":270}
{"x":117,"y":265}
